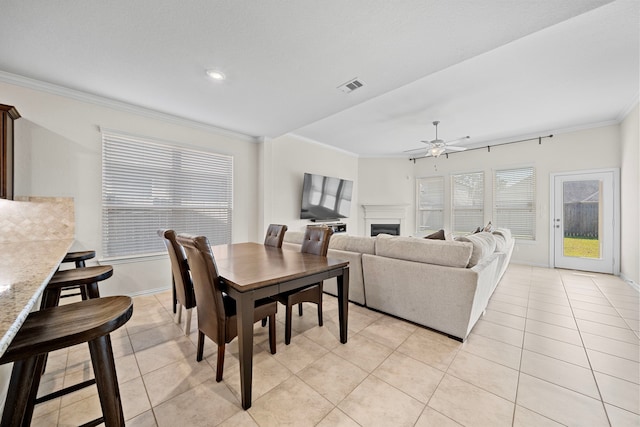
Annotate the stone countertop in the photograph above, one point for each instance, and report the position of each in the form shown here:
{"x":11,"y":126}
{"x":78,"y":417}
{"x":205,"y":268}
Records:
{"x":25,"y":270}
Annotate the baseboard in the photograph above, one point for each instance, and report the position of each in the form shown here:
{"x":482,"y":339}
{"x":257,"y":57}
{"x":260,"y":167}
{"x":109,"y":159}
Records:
{"x":630,"y":282}
{"x":149,"y":292}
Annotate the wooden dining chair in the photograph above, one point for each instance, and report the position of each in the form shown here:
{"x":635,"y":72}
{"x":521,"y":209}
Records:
{"x":182,"y":285}
{"x":216,"y":310}
{"x":315,"y":241}
{"x":275,"y":235}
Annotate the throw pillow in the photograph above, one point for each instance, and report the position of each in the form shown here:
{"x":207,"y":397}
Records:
{"x":438,"y":235}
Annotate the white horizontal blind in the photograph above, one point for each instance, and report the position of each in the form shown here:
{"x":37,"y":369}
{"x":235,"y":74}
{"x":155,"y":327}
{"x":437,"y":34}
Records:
{"x":515,"y":201}
{"x":430,"y":204}
{"x":147,"y":186}
{"x":467,"y":199}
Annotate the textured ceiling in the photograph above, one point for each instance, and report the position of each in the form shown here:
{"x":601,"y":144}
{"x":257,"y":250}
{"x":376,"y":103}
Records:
{"x":492,"y":69}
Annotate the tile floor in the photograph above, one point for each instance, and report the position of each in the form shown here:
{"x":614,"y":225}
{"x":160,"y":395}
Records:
{"x":555,"y":347}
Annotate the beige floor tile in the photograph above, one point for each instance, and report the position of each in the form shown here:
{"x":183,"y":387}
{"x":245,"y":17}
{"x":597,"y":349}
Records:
{"x":46,"y":420}
{"x":610,"y":346}
{"x":163,"y":354}
{"x":490,"y":376}
{"x":207,"y":404}
{"x":558,"y":403}
{"x":431,"y":348}
{"x":561,"y":373}
{"x":509,"y":299}
{"x":161,"y":333}
{"x":337,"y":418}
{"x":146,"y":419}
{"x":432,"y":418}
{"x":621,"y":418}
{"x":556,"y":299}
{"x":588,"y":307}
{"x":504,"y":307}
{"x":496,"y":351}
{"x":557,"y":349}
{"x":328,"y":336}
{"x":134,"y":398}
{"x":562,"y":309}
{"x":601,"y":300}
{"x":552,"y":318}
{"x":624,"y":369}
{"x":176,"y":378}
{"x":300,"y":353}
{"x":526,"y":418}
{"x":375,"y":400}
{"x":415,"y":378}
{"x":504,"y":319}
{"x":76,"y":377}
{"x":386,"y":333}
{"x":363,"y":352}
{"x":613,"y":332}
{"x":470,"y":405}
{"x":498,"y":332}
{"x":240,"y":419}
{"x":333,"y":377}
{"x":291,"y":403}
{"x":620,"y":393}
{"x":267,"y":374}
{"x":611,"y":320}
{"x":127,"y":368}
{"x":559,"y":333}
{"x":80,"y":412}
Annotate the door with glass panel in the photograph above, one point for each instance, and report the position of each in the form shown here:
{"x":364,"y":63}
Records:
{"x":584,"y":221}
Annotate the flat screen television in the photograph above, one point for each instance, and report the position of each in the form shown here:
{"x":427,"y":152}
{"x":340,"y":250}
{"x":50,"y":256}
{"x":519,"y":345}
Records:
{"x":325,"y":198}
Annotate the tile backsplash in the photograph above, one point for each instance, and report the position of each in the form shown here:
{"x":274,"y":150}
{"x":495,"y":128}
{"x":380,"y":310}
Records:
{"x":36,"y":218}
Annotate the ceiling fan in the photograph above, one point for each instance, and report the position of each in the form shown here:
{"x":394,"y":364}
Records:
{"x":437,"y":146}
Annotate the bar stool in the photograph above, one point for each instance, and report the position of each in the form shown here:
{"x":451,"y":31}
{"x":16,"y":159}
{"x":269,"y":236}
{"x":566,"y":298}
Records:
{"x":79,"y":257}
{"x":55,"y":328}
{"x":85,"y":278}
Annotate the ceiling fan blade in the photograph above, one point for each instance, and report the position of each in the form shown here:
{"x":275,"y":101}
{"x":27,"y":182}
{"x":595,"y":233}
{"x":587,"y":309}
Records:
{"x":415,"y":149}
{"x":456,"y":141}
{"x":453,"y":148}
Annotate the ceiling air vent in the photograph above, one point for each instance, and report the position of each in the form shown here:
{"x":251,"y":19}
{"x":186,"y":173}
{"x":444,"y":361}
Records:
{"x":351,"y":85}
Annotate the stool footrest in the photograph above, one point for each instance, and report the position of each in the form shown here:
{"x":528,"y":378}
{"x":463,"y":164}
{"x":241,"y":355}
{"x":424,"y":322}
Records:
{"x":65,"y":391}
{"x":94,"y":423}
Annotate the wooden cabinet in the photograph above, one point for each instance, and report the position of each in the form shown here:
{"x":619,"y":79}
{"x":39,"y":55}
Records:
{"x":8,"y":114}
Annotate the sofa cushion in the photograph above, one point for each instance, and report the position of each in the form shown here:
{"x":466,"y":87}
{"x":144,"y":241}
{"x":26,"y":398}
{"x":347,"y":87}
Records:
{"x":438,"y":235}
{"x":484,"y":244}
{"x":343,"y":242}
{"x":440,"y":252}
{"x":501,"y":242}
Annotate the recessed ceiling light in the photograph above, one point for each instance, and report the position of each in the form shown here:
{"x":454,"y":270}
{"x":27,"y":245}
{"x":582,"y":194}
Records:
{"x":216,"y":74}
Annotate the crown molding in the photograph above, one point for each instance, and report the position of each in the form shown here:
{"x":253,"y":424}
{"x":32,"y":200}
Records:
{"x":313,"y":141}
{"x":77,"y":95}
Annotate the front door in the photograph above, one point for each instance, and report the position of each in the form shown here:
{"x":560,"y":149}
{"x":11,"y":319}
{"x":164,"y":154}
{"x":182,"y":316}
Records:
{"x":585,"y":229}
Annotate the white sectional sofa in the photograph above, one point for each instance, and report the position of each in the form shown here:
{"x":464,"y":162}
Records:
{"x":441,"y":284}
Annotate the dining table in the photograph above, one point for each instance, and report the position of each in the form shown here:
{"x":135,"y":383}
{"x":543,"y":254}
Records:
{"x":251,"y":271}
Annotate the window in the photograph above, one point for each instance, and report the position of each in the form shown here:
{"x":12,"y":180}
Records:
{"x":147,"y":186}
{"x":515,"y":201}
{"x":430,"y":203}
{"x":467,"y":199}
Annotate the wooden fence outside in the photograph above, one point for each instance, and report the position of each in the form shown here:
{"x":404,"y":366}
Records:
{"x":581,"y":220}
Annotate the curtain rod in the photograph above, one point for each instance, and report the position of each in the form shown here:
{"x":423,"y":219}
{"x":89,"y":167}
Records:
{"x":488,"y":147}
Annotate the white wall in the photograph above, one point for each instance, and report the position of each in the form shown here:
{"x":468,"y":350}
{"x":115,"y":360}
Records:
{"x":630,"y":203}
{"x":284,"y":161}
{"x":385,"y":181}
{"x":58,"y":153}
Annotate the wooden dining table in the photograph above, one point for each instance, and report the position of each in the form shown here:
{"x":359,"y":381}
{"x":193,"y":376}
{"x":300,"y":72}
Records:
{"x":250,"y":271}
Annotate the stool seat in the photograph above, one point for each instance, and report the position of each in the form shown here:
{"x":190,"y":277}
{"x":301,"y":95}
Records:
{"x":60,"y":327}
{"x":80,"y":276}
{"x":79,"y":257}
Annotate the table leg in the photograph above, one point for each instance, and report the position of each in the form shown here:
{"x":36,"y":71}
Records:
{"x":245,"y":307}
{"x":343,"y":303}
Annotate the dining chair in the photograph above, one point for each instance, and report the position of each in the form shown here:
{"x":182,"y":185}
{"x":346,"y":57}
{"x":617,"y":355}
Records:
{"x":315,"y":241}
{"x":216,"y":310}
{"x":275,"y":235}
{"x":182,"y":285}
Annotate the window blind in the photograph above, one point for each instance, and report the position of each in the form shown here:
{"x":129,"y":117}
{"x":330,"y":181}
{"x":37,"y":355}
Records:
{"x":430,"y":204}
{"x":148,"y":185}
{"x":515,"y":201}
{"x":467,"y":199}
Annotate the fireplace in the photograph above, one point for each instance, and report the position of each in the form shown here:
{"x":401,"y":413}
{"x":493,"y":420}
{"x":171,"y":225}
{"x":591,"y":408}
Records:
{"x":392,"y":229}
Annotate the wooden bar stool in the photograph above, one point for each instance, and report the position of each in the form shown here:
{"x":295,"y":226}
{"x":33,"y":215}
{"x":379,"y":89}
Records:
{"x":51,"y":329}
{"x":79,"y":257}
{"x":84,"y":278}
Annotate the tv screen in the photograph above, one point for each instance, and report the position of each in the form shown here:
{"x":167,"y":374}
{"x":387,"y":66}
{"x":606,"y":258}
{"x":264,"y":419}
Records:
{"x":325,"y":198}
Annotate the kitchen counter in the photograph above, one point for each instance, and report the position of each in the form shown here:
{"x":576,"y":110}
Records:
{"x":25,"y":270}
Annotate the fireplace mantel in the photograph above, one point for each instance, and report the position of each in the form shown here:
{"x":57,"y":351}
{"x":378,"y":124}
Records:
{"x":385,"y":214}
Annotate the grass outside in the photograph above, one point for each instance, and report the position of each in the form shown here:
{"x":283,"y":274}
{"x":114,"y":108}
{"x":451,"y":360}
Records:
{"x":585,"y":248}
